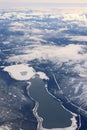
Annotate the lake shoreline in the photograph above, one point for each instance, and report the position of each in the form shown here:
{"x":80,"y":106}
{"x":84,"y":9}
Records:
{"x":40,"y":119}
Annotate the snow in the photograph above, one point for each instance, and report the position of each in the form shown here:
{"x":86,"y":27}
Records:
{"x":82,"y":71}
{"x":78,"y":38}
{"x":5,"y":127}
{"x":20,"y":72}
{"x":23,"y":72}
{"x":71,"y":54}
{"x":72,"y":127}
{"x":42,"y":75}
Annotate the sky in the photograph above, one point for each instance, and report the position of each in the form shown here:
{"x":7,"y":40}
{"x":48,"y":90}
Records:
{"x":19,"y":3}
{"x":46,"y":1}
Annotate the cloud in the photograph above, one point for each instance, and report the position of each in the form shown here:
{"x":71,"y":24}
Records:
{"x":62,"y":54}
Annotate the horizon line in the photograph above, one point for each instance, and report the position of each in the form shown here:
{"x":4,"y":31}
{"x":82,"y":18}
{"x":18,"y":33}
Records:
{"x":40,"y":4}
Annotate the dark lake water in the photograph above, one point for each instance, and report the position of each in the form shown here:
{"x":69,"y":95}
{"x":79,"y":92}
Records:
{"x":50,"y":109}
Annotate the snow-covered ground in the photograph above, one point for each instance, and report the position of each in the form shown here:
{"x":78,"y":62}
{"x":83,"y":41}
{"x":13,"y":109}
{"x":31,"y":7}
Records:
{"x":20,"y":72}
{"x":70,"y":24}
{"x":72,"y":127}
{"x":23,"y":72}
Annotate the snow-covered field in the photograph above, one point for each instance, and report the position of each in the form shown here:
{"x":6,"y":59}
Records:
{"x":23,"y":72}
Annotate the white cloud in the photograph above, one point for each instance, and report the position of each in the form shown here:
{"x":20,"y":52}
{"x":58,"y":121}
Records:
{"x":78,"y":38}
{"x":66,"y":53}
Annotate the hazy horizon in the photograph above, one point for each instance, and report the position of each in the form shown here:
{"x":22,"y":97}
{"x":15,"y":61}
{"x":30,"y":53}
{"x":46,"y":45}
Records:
{"x":39,"y":4}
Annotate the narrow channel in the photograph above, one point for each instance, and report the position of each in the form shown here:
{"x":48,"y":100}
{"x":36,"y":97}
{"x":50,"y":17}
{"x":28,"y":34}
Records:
{"x":50,"y":109}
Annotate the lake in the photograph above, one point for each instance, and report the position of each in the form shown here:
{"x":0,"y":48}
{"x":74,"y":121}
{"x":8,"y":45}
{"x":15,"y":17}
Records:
{"x":50,"y":109}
